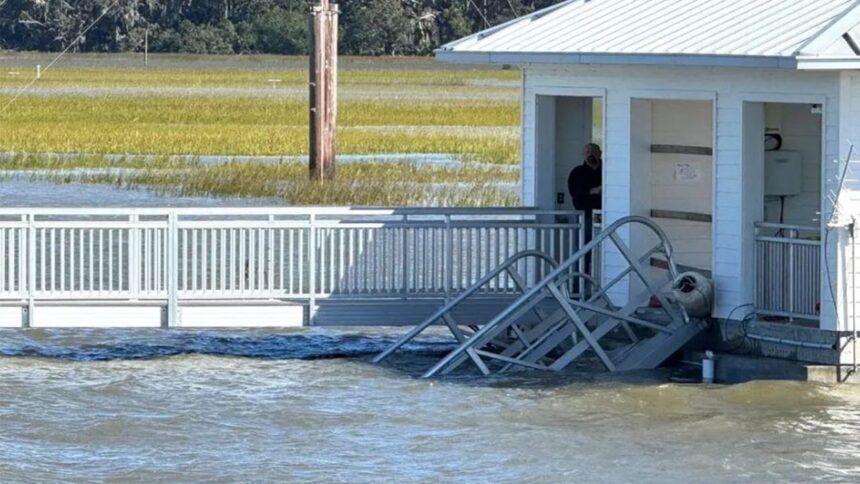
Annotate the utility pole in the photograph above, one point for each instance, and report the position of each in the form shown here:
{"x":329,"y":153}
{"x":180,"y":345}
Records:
{"x":323,"y":90}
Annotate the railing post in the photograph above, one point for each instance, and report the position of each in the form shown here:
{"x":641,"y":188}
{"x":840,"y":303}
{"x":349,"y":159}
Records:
{"x":853,"y":296}
{"x":31,"y":270}
{"x":449,"y":258}
{"x":134,"y":257}
{"x":582,"y":284}
{"x":172,"y":271}
{"x":790,"y":279}
{"x":757,"y":270}
{"x":312,"y":268}
{"x":404,"y":257}
{"x":270,"y":259}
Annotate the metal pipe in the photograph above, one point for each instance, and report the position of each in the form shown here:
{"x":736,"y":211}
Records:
{"x":851,"y":228}
{"x":789,"y":342}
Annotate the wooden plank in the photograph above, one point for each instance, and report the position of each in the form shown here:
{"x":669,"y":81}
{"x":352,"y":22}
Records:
{"x":687,"y":216}
{"x":683,"y":150}
{"x":662,"y":264}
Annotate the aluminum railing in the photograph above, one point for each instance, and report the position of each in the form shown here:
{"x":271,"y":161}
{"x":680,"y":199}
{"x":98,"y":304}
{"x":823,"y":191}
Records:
{"x":578,"y":324}
{"x":262,"y":253}
{"x":788,"y":271}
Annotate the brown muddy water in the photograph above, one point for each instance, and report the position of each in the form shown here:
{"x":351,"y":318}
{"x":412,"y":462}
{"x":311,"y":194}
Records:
{"x":308,"y":406}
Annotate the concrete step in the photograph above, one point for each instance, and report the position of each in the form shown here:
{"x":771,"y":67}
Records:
{"x":775,"y":340}
{"x":735,"y":368}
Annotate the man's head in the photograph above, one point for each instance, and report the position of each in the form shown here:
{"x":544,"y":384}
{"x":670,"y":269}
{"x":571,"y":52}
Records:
{"x":592,"y":150}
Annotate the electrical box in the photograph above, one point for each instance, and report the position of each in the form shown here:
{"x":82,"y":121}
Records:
{"x":783,"y":173}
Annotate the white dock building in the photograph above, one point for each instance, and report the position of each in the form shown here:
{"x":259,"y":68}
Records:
{"x":729,"y":122}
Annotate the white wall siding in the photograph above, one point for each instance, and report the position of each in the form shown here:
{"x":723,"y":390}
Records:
{"x":728,"y":268}
{"x":839,"y":253}
{"x":730,"y":88}
{"x":528,"y":153}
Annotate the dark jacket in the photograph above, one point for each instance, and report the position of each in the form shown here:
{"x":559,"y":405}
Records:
{"x":580,"y":182}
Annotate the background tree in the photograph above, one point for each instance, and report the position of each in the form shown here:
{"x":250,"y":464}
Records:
{"x":368,"y":27}
{"x":375,"y":27}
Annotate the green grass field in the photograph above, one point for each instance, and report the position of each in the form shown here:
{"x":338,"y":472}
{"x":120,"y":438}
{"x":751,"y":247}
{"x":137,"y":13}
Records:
{"x":181,"y":105}
{"x":236,"y":111}
{"x":219,"y":125}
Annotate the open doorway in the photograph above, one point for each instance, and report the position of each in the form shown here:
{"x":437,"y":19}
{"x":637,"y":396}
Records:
{"x":783,"y":145}
{"x":565,"y":124}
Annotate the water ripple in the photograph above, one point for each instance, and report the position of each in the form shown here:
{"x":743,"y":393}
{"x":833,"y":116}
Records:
{"x":306,"y":406}
{"x":109,"y":345}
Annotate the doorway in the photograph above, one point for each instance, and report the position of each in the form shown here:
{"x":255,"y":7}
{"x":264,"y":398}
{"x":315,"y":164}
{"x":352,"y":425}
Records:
{"x":783,"y":165}
{"x":565,"y":124}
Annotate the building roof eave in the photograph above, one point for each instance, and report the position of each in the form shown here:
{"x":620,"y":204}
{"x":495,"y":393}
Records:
{"x":522,"y":58}
{"x":825,"y":63}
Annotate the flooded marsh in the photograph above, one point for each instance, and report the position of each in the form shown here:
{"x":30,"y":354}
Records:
{"x":158,"y":123}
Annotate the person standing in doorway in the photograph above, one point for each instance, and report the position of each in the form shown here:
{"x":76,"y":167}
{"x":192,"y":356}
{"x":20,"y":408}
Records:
{"x":585,"y":184}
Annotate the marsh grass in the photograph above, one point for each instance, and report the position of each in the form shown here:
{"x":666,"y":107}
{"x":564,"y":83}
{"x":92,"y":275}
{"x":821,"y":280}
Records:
{"x":360,"y":171}
{"x":232,"y":71}
{"x":160,"y":139}
{"x":253,"y":126}
{"x":369,"y":184}
{"x":34,"y":162}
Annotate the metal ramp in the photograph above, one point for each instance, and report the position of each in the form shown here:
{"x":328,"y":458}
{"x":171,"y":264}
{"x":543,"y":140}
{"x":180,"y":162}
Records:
{"x":548,"y":328}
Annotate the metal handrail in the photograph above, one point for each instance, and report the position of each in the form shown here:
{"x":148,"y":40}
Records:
{"x":788,"y":233}
{"x":799,"y":228}
{"x":545,"y":283}
{"x":777,"y":292}
{"x":261,"y":211}
{"x":301,"y":253}
{"x":788,"y":240}
{"x":447,"y":308}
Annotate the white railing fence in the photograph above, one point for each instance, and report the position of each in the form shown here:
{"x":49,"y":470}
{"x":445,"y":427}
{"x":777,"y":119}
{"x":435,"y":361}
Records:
{"x":286,"y":253}
{"x":788,"y":270}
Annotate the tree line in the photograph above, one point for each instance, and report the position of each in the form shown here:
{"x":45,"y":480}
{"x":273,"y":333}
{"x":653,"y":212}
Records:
{"x":367,"y":27}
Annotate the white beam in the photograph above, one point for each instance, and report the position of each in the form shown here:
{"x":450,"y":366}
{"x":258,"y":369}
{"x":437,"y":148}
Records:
{"x":832,"y":32}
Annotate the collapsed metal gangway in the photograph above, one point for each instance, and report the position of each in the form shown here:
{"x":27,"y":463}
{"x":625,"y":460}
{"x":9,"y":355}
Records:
{"x":549,"y":326}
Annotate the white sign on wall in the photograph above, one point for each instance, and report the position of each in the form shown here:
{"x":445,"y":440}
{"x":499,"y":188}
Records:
{"x":687,"y":173}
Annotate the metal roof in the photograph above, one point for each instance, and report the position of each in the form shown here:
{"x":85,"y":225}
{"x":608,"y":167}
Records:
{"x":775,"y":33}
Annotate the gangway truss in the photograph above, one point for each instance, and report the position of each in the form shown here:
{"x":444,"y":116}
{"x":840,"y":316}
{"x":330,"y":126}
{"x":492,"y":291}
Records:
{"x":550,"y":326}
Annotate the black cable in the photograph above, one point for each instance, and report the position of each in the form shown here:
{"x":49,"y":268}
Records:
{"x":750,"y":305}
{"x":741,"y":343}
{"x":781,"y":215}
{"x":782,"y":209}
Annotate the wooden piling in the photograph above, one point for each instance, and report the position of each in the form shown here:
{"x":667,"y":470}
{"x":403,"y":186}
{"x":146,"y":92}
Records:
{"x":323,"y":90}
